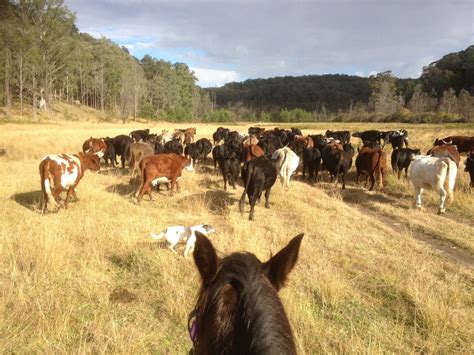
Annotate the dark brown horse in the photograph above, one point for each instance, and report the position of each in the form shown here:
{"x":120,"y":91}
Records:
{"x":238,"y":309}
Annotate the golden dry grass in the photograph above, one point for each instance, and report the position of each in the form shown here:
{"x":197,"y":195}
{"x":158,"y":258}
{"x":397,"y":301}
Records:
{"x":89,"y":279}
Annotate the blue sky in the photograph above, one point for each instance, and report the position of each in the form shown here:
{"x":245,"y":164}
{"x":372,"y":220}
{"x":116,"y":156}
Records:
{"x":225,"y":41}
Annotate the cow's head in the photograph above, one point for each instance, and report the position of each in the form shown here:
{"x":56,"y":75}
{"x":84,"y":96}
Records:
{"x":91,"y":161}
{"x":187,"y":164}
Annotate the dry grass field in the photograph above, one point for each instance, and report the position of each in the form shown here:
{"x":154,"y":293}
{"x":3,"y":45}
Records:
{"x":375,"y":275}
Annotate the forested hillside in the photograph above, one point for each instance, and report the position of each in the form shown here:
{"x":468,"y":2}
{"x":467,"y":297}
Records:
{"x":45,"y":59}
{"x":445,"y":88}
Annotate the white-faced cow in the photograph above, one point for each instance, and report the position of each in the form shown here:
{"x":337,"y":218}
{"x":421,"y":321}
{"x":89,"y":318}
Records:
{"x":438,"y":174}
{"x":63,"y":171}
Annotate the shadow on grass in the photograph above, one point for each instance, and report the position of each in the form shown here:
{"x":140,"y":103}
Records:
{"x":215,"y":201}
{"x":30,"y":200}
{"x":125,"y":190}
{"x":114,"y":171}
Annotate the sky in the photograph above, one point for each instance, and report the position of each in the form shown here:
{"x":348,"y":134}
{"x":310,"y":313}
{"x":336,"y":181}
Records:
{"x":224,"y":41}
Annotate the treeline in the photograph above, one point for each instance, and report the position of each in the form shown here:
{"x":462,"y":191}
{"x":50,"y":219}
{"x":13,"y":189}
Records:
{"x":442,"y":93}
{"x":46,"y":59}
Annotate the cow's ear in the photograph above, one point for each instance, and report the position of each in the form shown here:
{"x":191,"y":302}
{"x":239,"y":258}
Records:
{"x":205,"y":258}
{"x":280,"y":265}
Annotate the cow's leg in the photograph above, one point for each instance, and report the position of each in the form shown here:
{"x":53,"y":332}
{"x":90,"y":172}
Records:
{"x":442,"y":199}
{"x":242,"y":202}
{"x":406,"y":173}
{"x":418,"y":192}
{"x":372,"y":181}
{"x":343,"y":180}
{"x":252,"y":200}
{"x":143,"y":188}
{"x":399,"y":173}
{"x":69,"y":192}
{"x":225,"y":181}
{"x":178,"y":186}
{"x":173,"y":187}
{"x":267,"y":198}
{"x":357,"y":178}
{"x":122,"y":159}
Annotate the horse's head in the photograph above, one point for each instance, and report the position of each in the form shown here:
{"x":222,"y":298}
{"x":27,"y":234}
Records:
{"x":238,"y":310}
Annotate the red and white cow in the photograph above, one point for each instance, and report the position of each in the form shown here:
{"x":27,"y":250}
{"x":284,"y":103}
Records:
{"x":63,"y":171}
{"x":95,"y":145}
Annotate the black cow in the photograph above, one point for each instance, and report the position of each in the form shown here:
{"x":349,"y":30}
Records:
{"x":469,"y":163}
{"x":159,"y":148}
{"x":218,"y":153}
{"x":338,"y":160}
{"x":109,"y":154}
{"x":139,"y":134}
{"x":401,"y":159}
{"x":343,"y":136}
{"x":296,"y":131}
{"x":258,"y":175}
{"x":396,"y":138}
{"x":256,"y":131}
{"x":121,"y":142}
{"x":220,"y":134}
{"x":312,"y":162}
{"x":230,"y":168}
{"x":270,"y":143}
{"x":174,"y":146}
{"x":369,"y":137}
{"x":233,"y":142}
{"x":199,"y":150}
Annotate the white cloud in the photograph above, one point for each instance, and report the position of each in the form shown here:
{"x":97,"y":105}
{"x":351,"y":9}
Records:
{"x":214,"y":77}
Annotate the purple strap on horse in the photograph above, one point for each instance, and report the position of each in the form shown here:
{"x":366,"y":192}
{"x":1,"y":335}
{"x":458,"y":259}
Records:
{"x":194,"y":328}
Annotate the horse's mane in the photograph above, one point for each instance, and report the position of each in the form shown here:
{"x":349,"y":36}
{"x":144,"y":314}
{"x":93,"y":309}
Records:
{"x":244,"y":310}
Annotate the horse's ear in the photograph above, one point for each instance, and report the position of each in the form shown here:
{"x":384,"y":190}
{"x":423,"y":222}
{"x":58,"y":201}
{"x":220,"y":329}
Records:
{"x":280,"y":265}
{"x":205,"y":258}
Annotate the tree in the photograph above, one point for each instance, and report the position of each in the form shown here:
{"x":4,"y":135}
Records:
{"x":383,"y":98}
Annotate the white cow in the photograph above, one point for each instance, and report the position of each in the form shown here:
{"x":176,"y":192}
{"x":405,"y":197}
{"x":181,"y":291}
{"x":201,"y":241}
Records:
{"x":286,"y":163}
{"x":438,"y":174}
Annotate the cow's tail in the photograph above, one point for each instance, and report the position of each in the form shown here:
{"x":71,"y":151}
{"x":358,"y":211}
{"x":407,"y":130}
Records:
{"x":339,"y":164}
{"x":247,"y":183}
{"x":378,"y":163}
{"x":450,"y":179}
{"x":46,"y":180}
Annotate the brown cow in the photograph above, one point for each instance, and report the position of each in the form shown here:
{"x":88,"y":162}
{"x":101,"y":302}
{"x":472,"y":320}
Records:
{"x":178,"y":135}
{"x":189,"y":135}
{"x":250,"y":139}
{"x":446,"y":150}
{"x":64,"y":171}
{"x":251,"y":151}
{"x":95,"y":145}
{"x":464,"y":143}
{"x":138,"y":151}
{"x":371,"y":161}
{"x":306,"y":140}
{"x":161,"y":168}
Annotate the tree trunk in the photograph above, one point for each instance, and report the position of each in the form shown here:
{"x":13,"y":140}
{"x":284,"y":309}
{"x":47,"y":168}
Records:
{"x":34,"y":92}
{"x":21,"y":84}
{"x":8,"y":108}
{"x":102,"y":88}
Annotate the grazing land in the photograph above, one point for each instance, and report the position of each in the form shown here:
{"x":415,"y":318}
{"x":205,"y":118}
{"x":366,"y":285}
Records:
{"x":374,"y":273}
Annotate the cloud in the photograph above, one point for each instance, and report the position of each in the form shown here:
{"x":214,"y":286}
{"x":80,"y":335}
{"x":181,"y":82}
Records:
{"x":213,"y":77}
{"x":265,"y":38}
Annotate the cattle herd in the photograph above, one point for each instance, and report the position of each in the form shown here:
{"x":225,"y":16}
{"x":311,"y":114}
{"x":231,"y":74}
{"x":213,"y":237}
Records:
{"x":259,"y":156}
